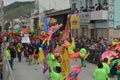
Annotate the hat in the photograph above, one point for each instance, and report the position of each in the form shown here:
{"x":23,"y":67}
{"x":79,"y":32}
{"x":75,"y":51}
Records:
{"x":83,"y":51}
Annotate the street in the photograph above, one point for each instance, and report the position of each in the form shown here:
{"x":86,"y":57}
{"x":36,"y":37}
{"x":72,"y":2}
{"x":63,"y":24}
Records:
{"x":24,"y":71}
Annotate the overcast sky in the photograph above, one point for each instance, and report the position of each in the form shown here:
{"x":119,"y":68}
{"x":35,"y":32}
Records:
{"x":7,"y":2}
{"x":48,"y":4}
{"x":54,"y":4}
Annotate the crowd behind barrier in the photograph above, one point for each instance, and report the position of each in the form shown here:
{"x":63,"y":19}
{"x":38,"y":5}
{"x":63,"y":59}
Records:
{"x":6,"y":71}
{"x":94,"y":47}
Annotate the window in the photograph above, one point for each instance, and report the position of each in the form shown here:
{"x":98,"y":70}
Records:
{"x":90,"y":2}
{"x":74,"y":6}
{"x":105,"y":1}
{"x":99,"y":1}
{"x":86,"y":3}
{"x":80,"y":2}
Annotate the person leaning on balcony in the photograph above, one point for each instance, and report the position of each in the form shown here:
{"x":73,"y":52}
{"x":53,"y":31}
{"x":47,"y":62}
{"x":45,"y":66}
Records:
{"x":81,"y":9}
{"x":99,"y":7}
{"x":96,"y":5}
{"x":105,"y":6}
{"x":88,"y":9}
{"x":92,"y":8}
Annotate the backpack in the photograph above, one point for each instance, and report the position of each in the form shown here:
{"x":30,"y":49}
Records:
{"x":13,"y":53}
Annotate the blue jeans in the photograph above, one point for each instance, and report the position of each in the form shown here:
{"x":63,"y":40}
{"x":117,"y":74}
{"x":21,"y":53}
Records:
{"x":19,"y":56}
{"x":12,"y":63}
{"x":1,"y":75}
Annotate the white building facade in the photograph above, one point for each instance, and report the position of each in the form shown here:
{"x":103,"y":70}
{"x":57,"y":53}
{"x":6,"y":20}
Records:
{"x":43,"y":5}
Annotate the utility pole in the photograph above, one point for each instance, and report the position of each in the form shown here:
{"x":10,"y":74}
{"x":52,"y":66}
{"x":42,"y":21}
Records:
{"x":2,"y":15}
{"x":2,"y":21}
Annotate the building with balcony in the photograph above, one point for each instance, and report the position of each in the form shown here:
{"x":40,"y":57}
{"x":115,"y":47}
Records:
{"x":98,"y":18}
{"x":41,"y":6}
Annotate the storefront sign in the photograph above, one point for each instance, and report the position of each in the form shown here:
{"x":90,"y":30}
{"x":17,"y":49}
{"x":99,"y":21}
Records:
{"x":111,"y":14}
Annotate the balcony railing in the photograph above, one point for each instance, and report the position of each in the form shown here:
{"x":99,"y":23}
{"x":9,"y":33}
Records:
{"x":93,"y":15}
{"x":99,"y":15}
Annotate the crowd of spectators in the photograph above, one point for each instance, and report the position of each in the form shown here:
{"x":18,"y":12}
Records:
{"x":95,"y":8}
{"x":94,"y":46}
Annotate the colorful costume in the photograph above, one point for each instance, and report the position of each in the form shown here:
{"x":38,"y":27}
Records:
{"x":51,"y":31}
{"x":100,"y":74}
{"x":84,"y":52}
{"x":118,"y":70}
{"x":73,"y":75}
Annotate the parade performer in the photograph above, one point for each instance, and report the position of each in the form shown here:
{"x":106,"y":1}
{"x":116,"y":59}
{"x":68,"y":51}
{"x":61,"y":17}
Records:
{"x":52,"y":29}
{"x":56,"y":73}
{"x":83,"y":51}
{"x":118,"y":70}
{"x":106,"y":67}
{"x":100,"y":73}
{"x":45,"y":51}
{"x":73,"y":75}
{"x":36,"y":55}
{"x":71,"y":47}
{"x":41,"y":55}
{"x":50,"y":59}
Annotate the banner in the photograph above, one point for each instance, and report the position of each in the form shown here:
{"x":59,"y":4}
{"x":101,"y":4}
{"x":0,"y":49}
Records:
{"x":25,"y":40}
{"x":75,"y":21}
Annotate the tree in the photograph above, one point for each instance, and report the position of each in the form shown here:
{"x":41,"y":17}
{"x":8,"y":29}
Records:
{"x":7,"y":25}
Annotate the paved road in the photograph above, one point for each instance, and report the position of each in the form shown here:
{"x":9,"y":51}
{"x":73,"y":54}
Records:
{"x":23,"y":71}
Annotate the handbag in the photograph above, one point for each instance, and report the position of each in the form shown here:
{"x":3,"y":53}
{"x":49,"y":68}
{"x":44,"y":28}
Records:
{"x":36,"y":55}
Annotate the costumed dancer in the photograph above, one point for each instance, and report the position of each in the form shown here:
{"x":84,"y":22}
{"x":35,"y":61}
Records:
{"x":36,"y":55}
{"x":73,"y":75}
{"x":55,"y":73}
{"x":70,"y":47}
{"x":100,"y":73}
{"x":118,"y":70}
{"x":83,"y":51}
{"x":106,"y":67}
{"x":45,"y":51}
{"x":62,"y":55}
{"x":41,"y":55}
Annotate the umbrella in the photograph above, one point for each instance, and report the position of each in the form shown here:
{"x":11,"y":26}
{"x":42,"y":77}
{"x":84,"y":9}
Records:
{"x":117,"y":47}
{"x":108,"y":54}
